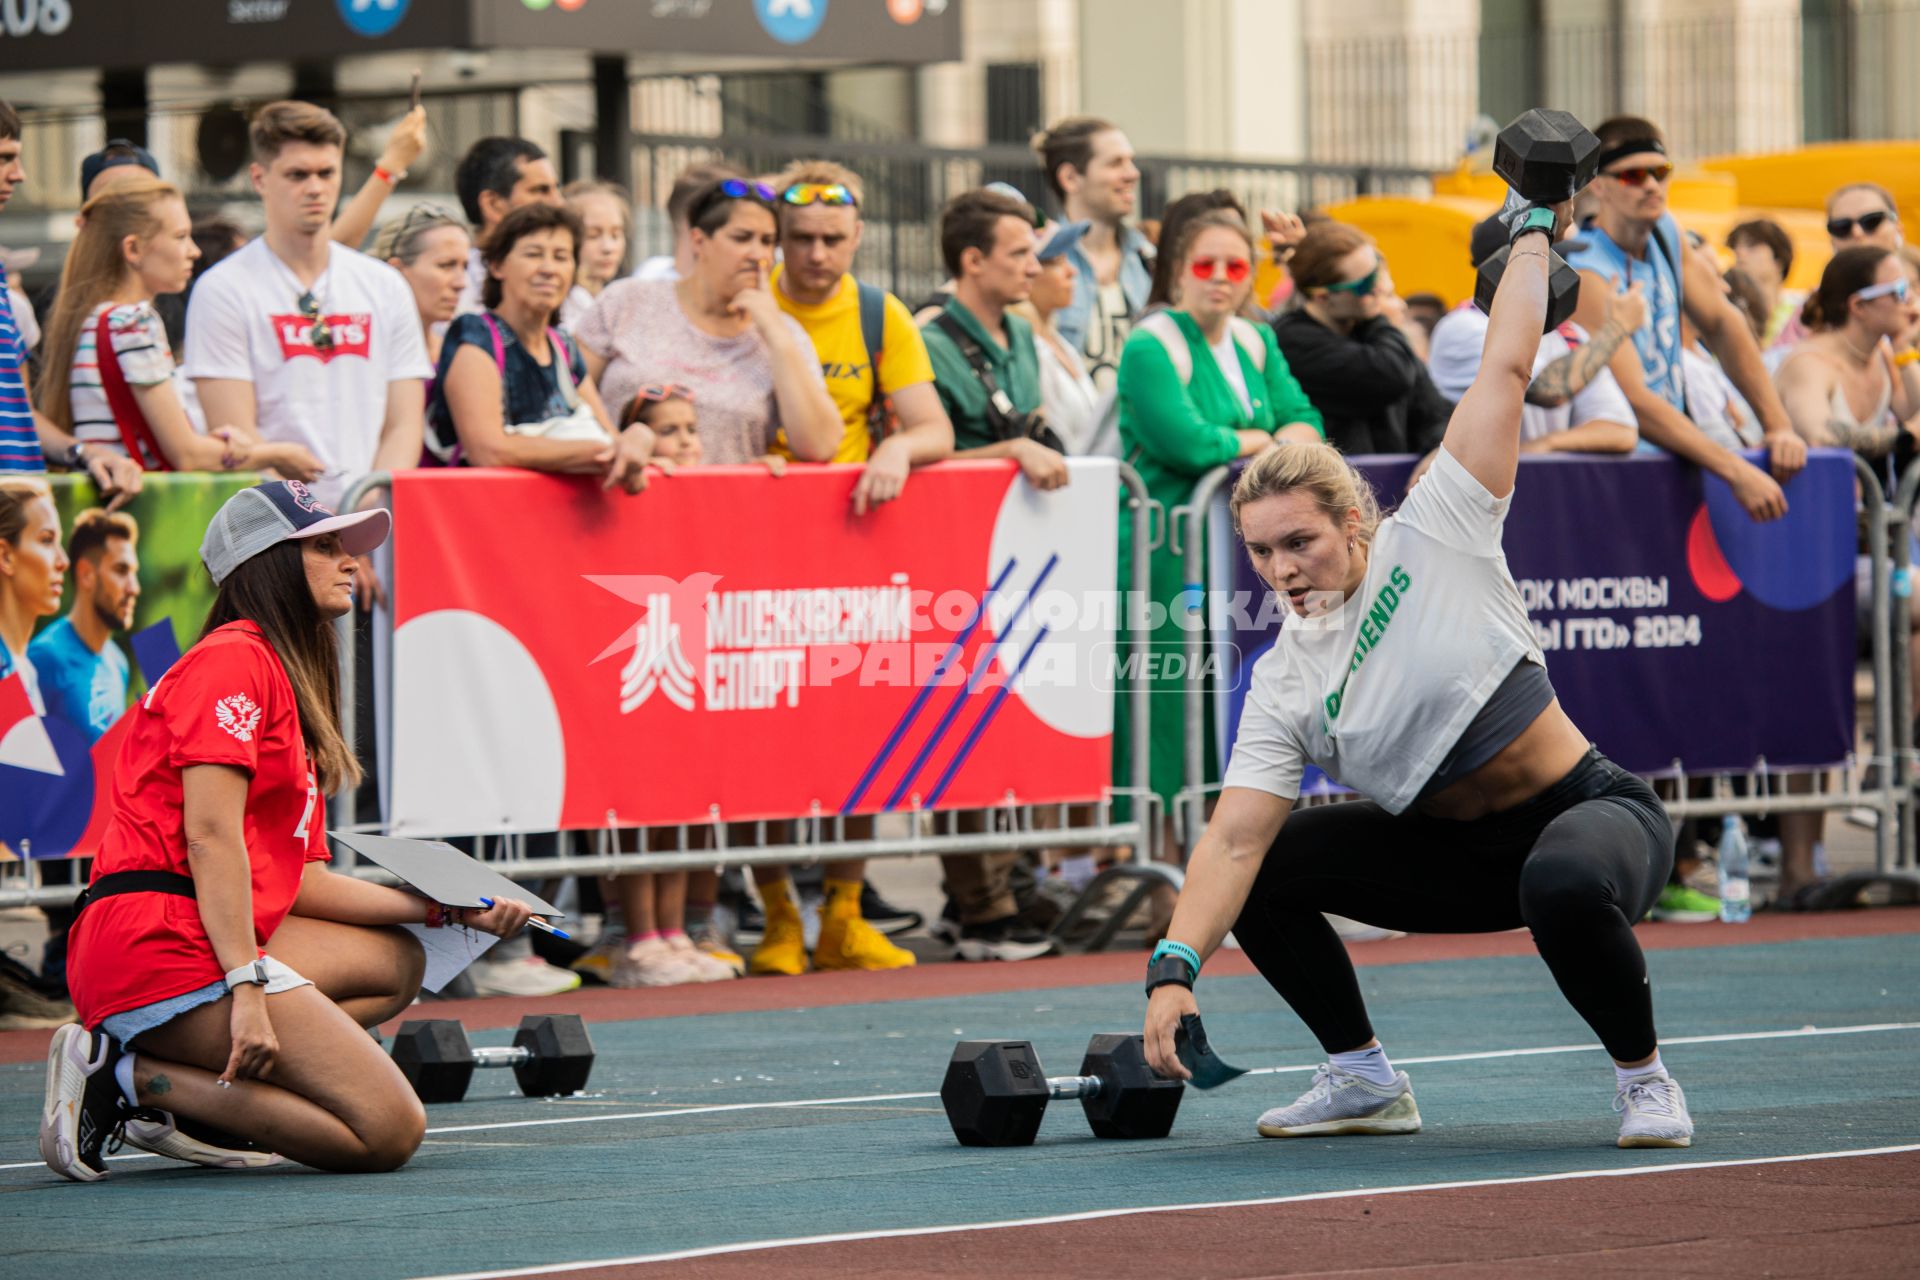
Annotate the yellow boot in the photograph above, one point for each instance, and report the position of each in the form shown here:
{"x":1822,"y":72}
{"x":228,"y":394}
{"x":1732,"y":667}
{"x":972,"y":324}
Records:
{"x":783,"y":948}
{"x":847,"y":941}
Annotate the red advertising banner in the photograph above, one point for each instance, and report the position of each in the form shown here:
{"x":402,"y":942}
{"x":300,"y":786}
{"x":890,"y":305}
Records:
{"x":733,"y":645}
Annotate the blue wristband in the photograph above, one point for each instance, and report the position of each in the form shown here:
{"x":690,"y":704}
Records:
{"x":1168,"y":947}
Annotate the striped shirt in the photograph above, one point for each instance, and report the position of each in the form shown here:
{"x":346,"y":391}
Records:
{"x":19,"y":443}
{"x":140,"y":342}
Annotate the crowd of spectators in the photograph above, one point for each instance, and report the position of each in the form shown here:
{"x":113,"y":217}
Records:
{"x":515,"y":333}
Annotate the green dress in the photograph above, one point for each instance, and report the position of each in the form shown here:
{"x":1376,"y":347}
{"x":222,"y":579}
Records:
{"x":1174,"y":432}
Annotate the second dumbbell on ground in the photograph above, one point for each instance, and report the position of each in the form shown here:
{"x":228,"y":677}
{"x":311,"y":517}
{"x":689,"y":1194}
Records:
{"x":995,"y":1093}
{"x":551,"y":1055}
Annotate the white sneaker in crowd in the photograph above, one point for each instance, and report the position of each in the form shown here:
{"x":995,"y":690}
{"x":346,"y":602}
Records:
{"x":710,"y":967}
{"x":527,"y":975}
{"x":652,"y":962}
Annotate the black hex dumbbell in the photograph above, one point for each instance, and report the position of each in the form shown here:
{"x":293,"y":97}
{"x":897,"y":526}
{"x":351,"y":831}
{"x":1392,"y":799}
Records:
{"x":995,"y":1093}
{"x":1546,"y":156}
{"x":551,"y":1055}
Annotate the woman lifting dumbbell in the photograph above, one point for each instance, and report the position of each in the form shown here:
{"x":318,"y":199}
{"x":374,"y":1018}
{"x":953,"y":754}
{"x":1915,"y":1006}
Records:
{"x":194,"y":1043}
{"x":1408,"y":670}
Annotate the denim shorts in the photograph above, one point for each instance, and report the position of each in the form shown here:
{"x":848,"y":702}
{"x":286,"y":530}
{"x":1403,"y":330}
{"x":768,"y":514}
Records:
{"x":132,"y":1023}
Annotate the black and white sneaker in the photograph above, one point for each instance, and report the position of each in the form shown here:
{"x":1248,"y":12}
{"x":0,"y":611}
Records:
{"x":1009,"y":938}
{"x":884,"y":916}
{"x":946,"y":926}
{"x":84,"y":1106}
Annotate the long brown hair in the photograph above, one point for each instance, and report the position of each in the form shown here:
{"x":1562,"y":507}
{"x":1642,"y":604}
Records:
{"x":95,"y":268}
{"x":1847,"y":273}
{"x":271,"y":591}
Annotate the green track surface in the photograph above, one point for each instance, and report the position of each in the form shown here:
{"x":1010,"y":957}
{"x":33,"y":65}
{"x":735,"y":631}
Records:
{"x":618,"y":1180}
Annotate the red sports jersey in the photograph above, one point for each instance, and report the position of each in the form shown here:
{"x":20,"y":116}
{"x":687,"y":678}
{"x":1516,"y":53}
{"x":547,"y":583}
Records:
{"x":227,"y":701}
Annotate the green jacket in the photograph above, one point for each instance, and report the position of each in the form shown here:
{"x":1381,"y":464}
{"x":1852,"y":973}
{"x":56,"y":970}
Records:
{"x":1016,"y":368}
{"x":1174,"y":432}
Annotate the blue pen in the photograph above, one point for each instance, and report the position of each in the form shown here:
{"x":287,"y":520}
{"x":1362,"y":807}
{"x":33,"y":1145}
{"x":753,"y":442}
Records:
{"x":535,"y":922}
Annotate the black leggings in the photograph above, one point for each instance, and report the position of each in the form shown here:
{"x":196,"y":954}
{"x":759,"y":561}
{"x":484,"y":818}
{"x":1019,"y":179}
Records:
{"x":1577,"y":864}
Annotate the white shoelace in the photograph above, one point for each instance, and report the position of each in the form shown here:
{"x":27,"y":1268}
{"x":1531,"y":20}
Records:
{"x":1654,"y":1096}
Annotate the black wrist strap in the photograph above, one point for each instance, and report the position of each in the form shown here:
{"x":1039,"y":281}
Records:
{"x":1169,"y":969}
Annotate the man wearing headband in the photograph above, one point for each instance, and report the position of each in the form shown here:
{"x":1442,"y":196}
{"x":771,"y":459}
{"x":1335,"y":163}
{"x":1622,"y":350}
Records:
{"x":1635,"y":240}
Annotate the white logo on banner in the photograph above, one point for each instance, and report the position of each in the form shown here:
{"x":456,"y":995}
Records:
{"x":658,"y":660}
{"x":238,"y":715}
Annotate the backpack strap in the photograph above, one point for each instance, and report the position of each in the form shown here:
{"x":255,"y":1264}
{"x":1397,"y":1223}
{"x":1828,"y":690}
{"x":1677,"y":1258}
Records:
{"x":1248,"y":337}
{"x":499,"y":343}
{"x":1162,"y":325}
{"x":873,"y":334}
{"x":563,"y":356}
{"x":136,"y":433}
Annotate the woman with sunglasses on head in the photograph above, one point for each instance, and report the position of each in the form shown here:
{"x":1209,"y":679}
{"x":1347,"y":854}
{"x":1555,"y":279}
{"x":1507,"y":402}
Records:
{"x":110,"y":376}
{"x":1355,"y":363}
{"x":511,"y":389}
{"x":429,"y":248}
{"x":1407,"y":669}
{"x":1199,"y":386}
{"x":222,"y":980}
{"x":719,"y":331}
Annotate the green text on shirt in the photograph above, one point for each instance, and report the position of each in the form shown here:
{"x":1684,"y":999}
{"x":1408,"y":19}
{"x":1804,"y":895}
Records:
{"x":1373,"y":627}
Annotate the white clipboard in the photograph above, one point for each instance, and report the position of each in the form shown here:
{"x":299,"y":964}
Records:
{"x":445,"y":875}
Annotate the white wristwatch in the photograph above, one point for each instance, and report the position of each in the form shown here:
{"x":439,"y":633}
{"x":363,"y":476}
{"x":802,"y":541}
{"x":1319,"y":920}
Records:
{"x":255,"y":973}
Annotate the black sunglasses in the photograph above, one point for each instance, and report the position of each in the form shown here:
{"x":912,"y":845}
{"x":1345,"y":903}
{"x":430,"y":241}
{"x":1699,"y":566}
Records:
{"x":321,"y":334}
{"x":1841,"y":228}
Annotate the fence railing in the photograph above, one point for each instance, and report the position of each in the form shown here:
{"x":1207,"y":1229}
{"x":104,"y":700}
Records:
{"x":1882,"y":783}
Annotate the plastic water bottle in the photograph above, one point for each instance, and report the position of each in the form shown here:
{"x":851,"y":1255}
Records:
{"x":1736,"y":906}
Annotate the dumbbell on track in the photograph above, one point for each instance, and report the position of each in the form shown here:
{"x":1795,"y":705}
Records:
{"x":551,"y":1055}
{"x":995,"y":1092}
{"x":1547,"y":157}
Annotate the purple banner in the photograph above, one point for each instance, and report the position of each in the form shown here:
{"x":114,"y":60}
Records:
{"x":1674,"y":628}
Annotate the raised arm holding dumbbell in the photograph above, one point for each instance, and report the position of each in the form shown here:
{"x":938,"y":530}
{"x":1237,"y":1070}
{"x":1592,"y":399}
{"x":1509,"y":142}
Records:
{"x":1407,"y":670}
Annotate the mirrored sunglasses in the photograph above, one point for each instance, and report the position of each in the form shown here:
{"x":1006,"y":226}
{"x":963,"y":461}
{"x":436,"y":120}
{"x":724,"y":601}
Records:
{"x":320,"y":335}
{"x":1238,"y":269}
{"x":833,"y":193}
{"x":1892,"y":288}
{"x":1359,"y":288}
{"x":1638,"y":175}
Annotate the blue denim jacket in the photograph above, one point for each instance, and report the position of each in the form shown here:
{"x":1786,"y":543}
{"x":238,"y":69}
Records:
{"x":1136,"y":281}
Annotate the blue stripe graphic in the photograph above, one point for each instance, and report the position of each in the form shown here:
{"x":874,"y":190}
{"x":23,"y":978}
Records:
{"x":926,"y":691}
{"x":986,"y":718}
{"x":961,"y":694}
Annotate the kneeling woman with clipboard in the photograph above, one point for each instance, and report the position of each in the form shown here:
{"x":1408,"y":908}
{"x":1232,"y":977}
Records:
{"x":223,"y":981}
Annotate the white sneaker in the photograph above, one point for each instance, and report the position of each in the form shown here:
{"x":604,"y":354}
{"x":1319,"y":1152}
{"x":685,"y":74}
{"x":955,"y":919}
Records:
{"x":709,"y":968}
{"x":155,"y":1131}
{"x":1342,"y":1103}
{"x":525,"y":976}
{"x":652,"y":962}
{"x":1653,"y":1113}
{"x":1354,"y":931}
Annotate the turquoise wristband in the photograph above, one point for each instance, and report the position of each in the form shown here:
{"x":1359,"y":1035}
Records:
{"x":1167,"y":947}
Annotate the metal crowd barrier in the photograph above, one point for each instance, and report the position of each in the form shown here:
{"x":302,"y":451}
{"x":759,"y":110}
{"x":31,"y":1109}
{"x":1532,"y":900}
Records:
{"x":1893,"y":768}
{"x":819,"y":837}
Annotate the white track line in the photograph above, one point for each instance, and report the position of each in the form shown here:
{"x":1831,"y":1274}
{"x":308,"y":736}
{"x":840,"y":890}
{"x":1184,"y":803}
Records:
{"x":1481,"y":1056}
{"x":1093,"y":1215}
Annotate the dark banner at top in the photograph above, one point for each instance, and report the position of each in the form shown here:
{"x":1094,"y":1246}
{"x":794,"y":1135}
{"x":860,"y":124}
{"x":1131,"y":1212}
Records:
{"x":53,"y":35}
{"x":1675,"y":629}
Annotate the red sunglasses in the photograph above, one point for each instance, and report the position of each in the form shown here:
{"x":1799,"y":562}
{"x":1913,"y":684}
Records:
{"x":1238,"y":269}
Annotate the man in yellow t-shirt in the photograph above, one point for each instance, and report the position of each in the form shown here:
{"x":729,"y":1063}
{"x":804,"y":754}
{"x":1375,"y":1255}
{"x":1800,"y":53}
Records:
{"x":894,"y":423}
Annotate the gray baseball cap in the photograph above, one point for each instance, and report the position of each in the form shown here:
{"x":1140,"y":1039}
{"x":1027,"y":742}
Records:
{"x":276,"y":511}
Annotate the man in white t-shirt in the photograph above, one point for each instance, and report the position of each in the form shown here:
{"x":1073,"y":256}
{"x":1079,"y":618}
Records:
{"x":302,"y":338}
{"x":1573,"y":403}
{"x":495,"y":177}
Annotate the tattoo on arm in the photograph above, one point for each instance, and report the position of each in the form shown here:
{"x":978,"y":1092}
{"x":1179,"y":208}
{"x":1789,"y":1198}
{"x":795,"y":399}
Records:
{"x":159,"y":1085}
{"x":1566,"y":377}
{"x":1868,"y":442}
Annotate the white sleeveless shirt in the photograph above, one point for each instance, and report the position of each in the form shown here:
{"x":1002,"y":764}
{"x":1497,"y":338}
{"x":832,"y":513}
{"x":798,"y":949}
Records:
{"x":1377,"y":691}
